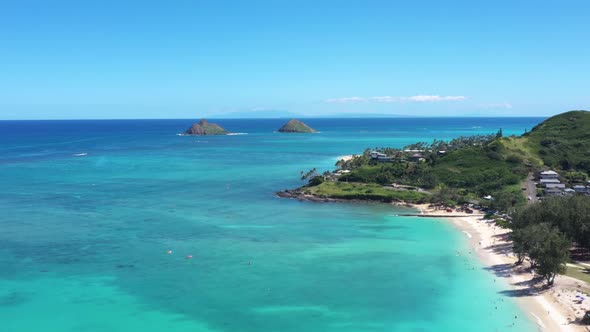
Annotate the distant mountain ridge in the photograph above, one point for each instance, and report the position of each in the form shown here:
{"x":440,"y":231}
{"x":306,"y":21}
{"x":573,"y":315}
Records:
{"x":265,"y":114}
{"x":271,"y":114}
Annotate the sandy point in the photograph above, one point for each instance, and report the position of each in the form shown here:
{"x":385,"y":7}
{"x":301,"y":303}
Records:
{"x":346,"y":158}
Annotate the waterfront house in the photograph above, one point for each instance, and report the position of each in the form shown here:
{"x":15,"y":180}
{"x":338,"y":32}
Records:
{"x":341,"y":172}
{"x":375,"y":155}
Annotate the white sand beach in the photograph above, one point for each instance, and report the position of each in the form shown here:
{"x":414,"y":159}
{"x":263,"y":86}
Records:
{"x":553,"y":309}
{"x":346,"y":158}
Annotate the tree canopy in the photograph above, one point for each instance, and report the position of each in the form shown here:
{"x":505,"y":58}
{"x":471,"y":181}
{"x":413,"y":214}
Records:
{"x":571,"y":215}
{"x":546,"y":248}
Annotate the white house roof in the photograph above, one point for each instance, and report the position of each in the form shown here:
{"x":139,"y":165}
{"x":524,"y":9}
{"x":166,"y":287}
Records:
{"x":549,"y":181}
{"x":553,"y":190}
{"x":549,"y":173}
{"x":555,"y":185}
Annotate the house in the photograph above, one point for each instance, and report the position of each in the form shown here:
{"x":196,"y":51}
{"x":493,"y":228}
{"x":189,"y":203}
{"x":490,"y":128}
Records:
{"x":555,"y":185}
{"x":569,"y":191}
{"x":549,"y":175}
{"x":552,"y":192}
{"x":375,"y":155}
{"x":580,"y":189}
{"x":416,"y":157}
{"x":547,"y":181}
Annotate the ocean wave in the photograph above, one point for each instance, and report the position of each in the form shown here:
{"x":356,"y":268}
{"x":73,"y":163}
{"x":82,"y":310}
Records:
{"x":80,"y":154}
{"x":235,"y":134}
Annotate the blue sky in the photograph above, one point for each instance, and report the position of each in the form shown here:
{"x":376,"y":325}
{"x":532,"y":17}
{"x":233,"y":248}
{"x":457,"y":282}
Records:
{"x":188,"y":59}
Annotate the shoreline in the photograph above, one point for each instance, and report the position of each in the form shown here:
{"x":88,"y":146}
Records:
{"x":346,"y":157}
{"x":552,"y":309}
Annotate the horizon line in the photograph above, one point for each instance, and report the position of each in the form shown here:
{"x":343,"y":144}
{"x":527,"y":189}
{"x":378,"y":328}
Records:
{"x":290,"y":117}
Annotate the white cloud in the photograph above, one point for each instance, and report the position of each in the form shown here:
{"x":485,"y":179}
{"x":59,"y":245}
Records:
{"x":346,"y":100}
{"x":496,"y":106}
{"x":385,"y":99}
{"x":395,"y":99}
{"x":425,"y":98}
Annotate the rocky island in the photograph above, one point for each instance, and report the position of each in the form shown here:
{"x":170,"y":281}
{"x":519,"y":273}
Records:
{"x":205,"y":128}
{"x":296,"y":126}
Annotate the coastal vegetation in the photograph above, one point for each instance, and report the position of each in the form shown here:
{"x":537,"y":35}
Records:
{"x":467,"y":169}
{"x":568,"y":214}
{"x":470,"y":168}
{"x":544,"y":232}
{"x":362,"y":191}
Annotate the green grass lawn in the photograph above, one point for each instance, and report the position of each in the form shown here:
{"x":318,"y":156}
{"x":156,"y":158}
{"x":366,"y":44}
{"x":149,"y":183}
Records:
{"x":520,"y":146}
{"x":344,"y":190}
{"x":579,"y":272}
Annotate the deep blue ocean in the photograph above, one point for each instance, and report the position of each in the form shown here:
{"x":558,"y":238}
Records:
{"x":89,"y":210}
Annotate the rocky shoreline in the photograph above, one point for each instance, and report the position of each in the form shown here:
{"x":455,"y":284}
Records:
{"x":301,"y":196}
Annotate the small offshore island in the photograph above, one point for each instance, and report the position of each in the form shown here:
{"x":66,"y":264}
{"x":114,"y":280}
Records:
{"x":296,"y":126}
{"x":522,"y":201}
{"x":205,"y":128}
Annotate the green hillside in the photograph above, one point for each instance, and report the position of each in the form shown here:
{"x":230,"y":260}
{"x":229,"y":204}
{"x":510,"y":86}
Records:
{"x":562,"y":141}
{"x":472,"y":167}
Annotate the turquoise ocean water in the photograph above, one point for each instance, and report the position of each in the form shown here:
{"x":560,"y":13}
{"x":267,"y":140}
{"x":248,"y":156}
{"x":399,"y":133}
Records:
{"x":89,"y":209}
